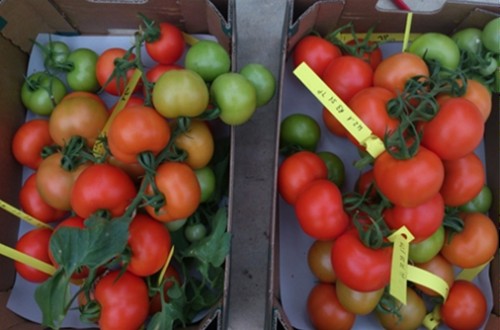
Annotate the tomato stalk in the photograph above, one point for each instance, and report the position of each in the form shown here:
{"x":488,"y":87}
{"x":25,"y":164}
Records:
{"x":358,"y":46}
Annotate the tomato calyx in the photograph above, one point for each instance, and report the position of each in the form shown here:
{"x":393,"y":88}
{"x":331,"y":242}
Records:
{"x":452,"y":221}
{"x":151,"y":31}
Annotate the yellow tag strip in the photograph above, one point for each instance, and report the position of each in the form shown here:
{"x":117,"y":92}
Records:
{"x":26,"y":259}
{"x":406,"y":38}
{"x":431,"y":320}
{"x":164,"y":269}
{"x":399,"y":265}
{"x":469,"y":274}
{"x":98,"y":149}
{"x":339,"y":109}
{"x":189,"y":39}
{"x":23,"y":216}
{"x":429,"y":280}
{"x":378,"y":37}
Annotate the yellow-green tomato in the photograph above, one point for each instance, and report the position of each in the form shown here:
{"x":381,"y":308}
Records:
{"x":206,"y":179}
{"x":427,"y":249}
{"x":82,"y":76}
{"x":263,"y":81}
{"x":434,"y":46}
{"x":357,"y":302}
{"x":411,"y":314}
{"x":235,"y":96}
{"x":180,"y":93}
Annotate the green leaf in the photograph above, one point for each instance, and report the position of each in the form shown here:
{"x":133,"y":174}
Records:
{"x":171,"y":312}
{"x":54,"y":298}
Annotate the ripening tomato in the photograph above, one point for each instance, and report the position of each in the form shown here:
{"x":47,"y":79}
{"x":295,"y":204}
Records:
{"x":297,"y":171}
{"x":409,"y":316}
{"x":178,"y":183}
{"x":475,"y":244}
{"x":440,"y":267}
{"x":357,"y":302}
{"x":316,"y":52}
{"x":428,"y":248}
{"x":169,"y":46}
{"x":106,"y":65}
{"x":29,"y":140}
{"x":319,"y":260}
{"x":34,"y":243}
{"x":197,"y":142}
{"x":465,"y":307}
{"x":325,"y":311}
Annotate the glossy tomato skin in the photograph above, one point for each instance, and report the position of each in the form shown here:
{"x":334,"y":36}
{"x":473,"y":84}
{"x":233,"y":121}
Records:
{"x":394,"y":71}
{"x":179,"y":185}
{"x":297,"y":171}
{"x":319,"y":260}
{"x":262,"y":79}
{"x":346,"y":75}
{"x":439,"y":47}
{"x":357,"y":302}
{"x":332,"y":124}
{"x":325,"y":311}
{"x":409,"y":182}
{"x":123,"y":299}
{"x":489,"y":35}
{"x":465,"y":308}
{"x":150,"y":245}
{"x":481,"y":203}
{"x":358,"y":266}
{"x":104,"y":68}
{"x":36,"y":244}
{"x":319,"y":210}
{"x":29,"y":140}
{"x":299,"y":131}
{"x":411,"y":314}
{"x":475,"y":244}
{"x":428,"y":248}
{"x":169,"y":46}
{"x":316,"y":52}
{"x":32,"y":203}
{"x":456,"y":130}
{"x":82,"y":77}
{"x":137,"y":129}
{"x":102,"y":187}
{"x":208,"y":58}
{"x":198,"y":143}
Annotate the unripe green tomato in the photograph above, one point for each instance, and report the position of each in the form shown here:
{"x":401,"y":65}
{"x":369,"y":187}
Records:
{"x":83,"y":75}
{"x":438,"y":47}
{"x":427,"y":249}
{"x":299,"y":131}
{"x":491,"y":35}
{"x":41,"y":92}
{"x":263,"y":81}
{"x":207,"y":58}
{"x":206,"y":179}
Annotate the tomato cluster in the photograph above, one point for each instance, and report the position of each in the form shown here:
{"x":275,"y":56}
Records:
{"x":128,"y":178}
{"x":428,"y":178}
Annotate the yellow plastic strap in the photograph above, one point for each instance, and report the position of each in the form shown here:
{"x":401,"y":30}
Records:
{"x":167,"y":262}
{"x":26,"y":259}
{"x":339,"y":109}
{"x":406,"y":38}
{"x":23,"y":216}
{"x":378,"y":37}
{"x":98,"y":149}
{"x":469,"y":274}
{"x":189,"y":39}
{"x":429,"y":280}
{"x":399,"y":267}
{"x":431,"y":320}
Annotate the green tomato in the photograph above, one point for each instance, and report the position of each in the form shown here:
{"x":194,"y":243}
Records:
{"x":206,"y":179}
{"x":207,"y":58}
{"x":336,"y":168}
{"x":299,"y":131}
{"x":176,"y":224}
{"x":56,"y":53}
{"x":438,"y":47}
{"x":194,"y":232}
{"x":235,"y":96}
{"x":481,"y":203}
{"x":263,"y":81}
{"x":468,"y":40}
{"x":41,"y":92}
{"x":82,"y":77}
{"x":427,"y":249}
{"x":491,"y":35}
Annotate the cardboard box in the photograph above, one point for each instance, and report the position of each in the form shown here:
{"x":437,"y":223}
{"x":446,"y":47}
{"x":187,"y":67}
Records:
{"x":324,"y":17}
{"x":20,"y":23}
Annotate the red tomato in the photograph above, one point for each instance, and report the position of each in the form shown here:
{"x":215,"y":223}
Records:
{"x":124,"y":301}
{"x":316,"y":52}
{"x":422,"y":220}
{"x":150,"y":245}
{"x":319,"y":210}
{"x":373,"y":57}
{"x":178,"y":183}
{"x":169,"y":46}
{"x":156,"y":71}
{"x":106,"y":65}
{"x":409,"y":182}
{"x":29,"y":140}
{"x":33,"y":204}
{"x":325,"y":311}
{"x":332,"y":124}
{"x":102,"y":187}
{"x":346,"y":75}
{"x":464,"y":178}
{"x":456,"y":130}
{"x":297,"y":171}
{"x":475,"y":244}
{"x":137,"y":129}
{"x":34,"y":243}
{"x":359,"y":267}
{"x":394,"y":71}
{"x":465,"y":308}
{"x":366,"y":181}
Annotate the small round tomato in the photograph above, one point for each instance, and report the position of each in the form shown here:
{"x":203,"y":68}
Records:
{"x":316,"y":52}
{"x":207,"y":180}
{"x":41,"y":92}
{"x":465,"y":307}
{"x":409,"y":316}
{"x":197,"y":142}
{"x":34,"y":243}
{"x":440,"y":267}
{"x":262,"y":79}
{"x":490,"y":36}
{"x":195,"y":231}
{"x":208,"y":58}
{"x":475,"y":244}
{"x":235,"y":96}
{"x":180,"y":92}
{"x":169,"y":46}
{"x":427,"y":249}
{"x":468,"y":40}
{"x":105,"y":68}
{"x":29,"y":140}
{"x":299,"y":131}
{"x":335,"y":166}
{"x":357,"y":302}
{"x":481,"y":203}
{"x":434,"y":46}
{"x":82,"y":76}
{"x":55,"y":54}
{"x":394,"y":71}
{"x":325,"y":311}
{"x":319,"y":260}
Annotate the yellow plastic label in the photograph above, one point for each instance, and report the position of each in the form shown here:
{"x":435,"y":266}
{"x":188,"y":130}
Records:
{"x":26,"y":259}
{"x":378,"y":37}
{"x":469,"y":274}
{"x":429,"y":280}
{"x":189,"y":39}
{"x":165,"y":266}
{"x":406,"y":37}
{"x":431,"y":320}
{"x":98,"y":148}
{"x":399,"y":267}
{"x":23,"y":216}
{"x":374,"y":146}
